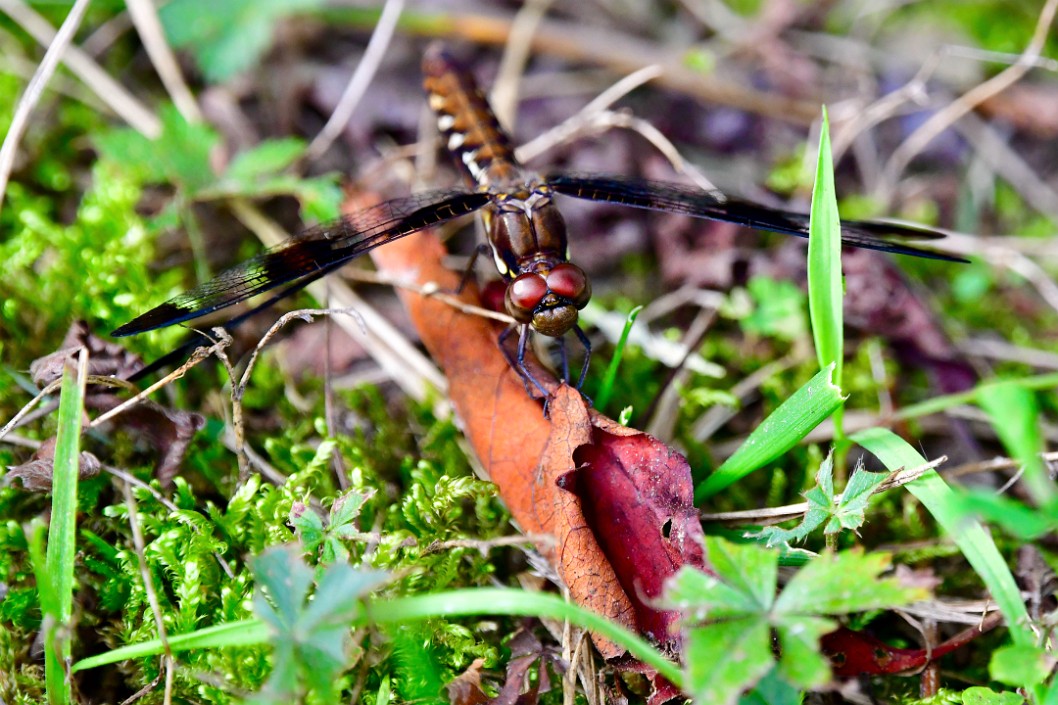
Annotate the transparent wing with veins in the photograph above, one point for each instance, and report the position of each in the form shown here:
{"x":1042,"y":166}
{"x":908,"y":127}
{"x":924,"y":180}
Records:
{"x":885,"y":236}
{"x":311,"y":254}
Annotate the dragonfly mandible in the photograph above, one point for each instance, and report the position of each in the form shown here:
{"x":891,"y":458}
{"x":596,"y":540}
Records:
{"x":526,"y":231}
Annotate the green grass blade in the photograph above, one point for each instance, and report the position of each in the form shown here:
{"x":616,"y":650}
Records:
{"x":606,"y":390}
{"x":948,"y":401}
{"x":443,"y":604}
{"x":248,"y":632}
{"x":972,"y":539}
{"x":1015,"y":415}
{"x":460,"y":603}
{"x":35,"y":544}
{"x":62,"y":532}
{"x":825,"y":290}
{"x":782,"y":430}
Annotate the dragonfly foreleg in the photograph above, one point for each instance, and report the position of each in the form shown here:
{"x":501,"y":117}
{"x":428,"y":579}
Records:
{"x":517,"y":361}
{"x":583,"y":338}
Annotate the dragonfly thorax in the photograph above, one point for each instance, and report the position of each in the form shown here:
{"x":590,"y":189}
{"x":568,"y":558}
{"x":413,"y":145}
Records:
{"x":522,"y":230}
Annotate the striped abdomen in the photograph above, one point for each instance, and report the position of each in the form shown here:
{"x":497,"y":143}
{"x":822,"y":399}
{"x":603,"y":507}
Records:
{"x":465,"y":119}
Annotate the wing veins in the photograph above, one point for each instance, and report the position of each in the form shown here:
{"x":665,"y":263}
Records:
{"x":667,"y":197}
{"x":310,"y":254}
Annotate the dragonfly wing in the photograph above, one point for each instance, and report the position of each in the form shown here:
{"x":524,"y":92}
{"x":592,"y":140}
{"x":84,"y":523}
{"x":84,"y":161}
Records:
{"x":309,"y":255}
{"x":880,"y":235}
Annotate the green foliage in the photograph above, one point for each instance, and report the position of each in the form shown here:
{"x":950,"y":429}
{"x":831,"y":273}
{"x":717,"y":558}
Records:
{"x":975,"y":695}
{"x":195,"y":551}
{"x":94,"y":268}
{"x":731,"y":618}
{"x":182,"y":157}
{"x":1021,"y":665}
{"x":179,"y":156}
{"x":974,"y":542}
{"x":419,"y":678}
{"x":1021,"y":521}
{"x":227,"y":37}
{"x":55,"y":577}
{"x":979,"y":20}
{"x":327,"y":541}
{"x":1014,"y":413}
{"x":840,"y":512}
{"x":825,"y":287}
{"x":607,"y":386}
{"x":311,"y":640}
{"x":779,"y":309}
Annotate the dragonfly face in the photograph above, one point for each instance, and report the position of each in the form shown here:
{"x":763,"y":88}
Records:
{"x":549,"y":299}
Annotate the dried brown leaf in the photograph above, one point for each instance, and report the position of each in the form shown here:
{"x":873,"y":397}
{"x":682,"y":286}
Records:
{"x":35,"y":475}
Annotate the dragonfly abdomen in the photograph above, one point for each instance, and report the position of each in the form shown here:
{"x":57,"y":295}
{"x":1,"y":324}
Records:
{"x":470,"y":129}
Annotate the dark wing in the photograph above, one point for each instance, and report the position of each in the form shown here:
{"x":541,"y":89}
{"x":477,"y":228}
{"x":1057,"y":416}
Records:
{"x":689,"y":200}
{"x":310,"y":255}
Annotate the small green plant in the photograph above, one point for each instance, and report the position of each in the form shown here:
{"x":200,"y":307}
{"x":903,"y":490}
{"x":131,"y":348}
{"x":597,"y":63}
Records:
{"x":732,"y":617}
{"x":311,"y":639}
{"x":843,"y":511}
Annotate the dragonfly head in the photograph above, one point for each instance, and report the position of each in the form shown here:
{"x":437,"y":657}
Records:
{"x":549,"y":300}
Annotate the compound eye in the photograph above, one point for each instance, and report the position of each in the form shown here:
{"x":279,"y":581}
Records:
{"x":570,"y":282}
{"x":524,"y":294}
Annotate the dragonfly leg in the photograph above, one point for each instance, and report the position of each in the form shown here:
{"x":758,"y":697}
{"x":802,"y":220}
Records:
{"x":517,"y":360}
{"x":587,"y":355}
{"x":563,"y":356}
{"x":468,"y":273}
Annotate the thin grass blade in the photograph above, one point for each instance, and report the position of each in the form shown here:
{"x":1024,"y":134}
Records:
{"x":782,"y":430}
{"x":62,"y":536}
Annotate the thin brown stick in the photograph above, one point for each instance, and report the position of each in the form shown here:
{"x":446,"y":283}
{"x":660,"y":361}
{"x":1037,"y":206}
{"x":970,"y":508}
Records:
{"x":360,"y":80}
{"x":516,"y":52}
{"x":775,"y":515}
{"x":943,"y":118}
{"x":149,"y":27}
{"x":197,"y":357}
{"x":148,"y":588}
{"x":123,"y":103}
{"x":35,"y":89}
{"x":623,"y":54}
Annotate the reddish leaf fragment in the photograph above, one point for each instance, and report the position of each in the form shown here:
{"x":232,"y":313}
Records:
{"x":526,"y":650}
{"x":517,"y":689}
{"x":858,"y":653}
{"x":466,"y":688}
{"x":36,"y":473}
{"x":637,"y":497}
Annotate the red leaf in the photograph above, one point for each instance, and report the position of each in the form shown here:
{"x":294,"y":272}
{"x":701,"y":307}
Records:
{"x":858,"y":653}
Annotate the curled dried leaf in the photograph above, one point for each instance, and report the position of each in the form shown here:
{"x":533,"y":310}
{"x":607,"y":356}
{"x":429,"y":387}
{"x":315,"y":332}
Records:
{"x":35,"y":475}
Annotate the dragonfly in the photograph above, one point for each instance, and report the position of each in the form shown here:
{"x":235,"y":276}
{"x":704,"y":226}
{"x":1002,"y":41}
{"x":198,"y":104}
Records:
{"x":526,"y":233}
